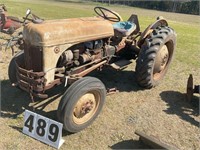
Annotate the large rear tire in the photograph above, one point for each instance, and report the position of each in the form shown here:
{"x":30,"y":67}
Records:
{"x":155,"y":56}
{"x":81,"y":104}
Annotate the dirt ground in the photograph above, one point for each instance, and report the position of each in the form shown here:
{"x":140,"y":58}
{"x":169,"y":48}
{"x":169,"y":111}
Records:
{"x":162,"y":112}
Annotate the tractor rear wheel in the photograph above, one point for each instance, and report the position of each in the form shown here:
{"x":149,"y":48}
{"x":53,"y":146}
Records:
{"x":155,"y":56}
{"x":81,"y":104}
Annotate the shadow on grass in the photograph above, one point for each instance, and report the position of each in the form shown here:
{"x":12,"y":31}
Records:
{"x":178,"y":105}
{"x":124,"y":80}
{"x":14,"y":101}
{"x":130,"y":144}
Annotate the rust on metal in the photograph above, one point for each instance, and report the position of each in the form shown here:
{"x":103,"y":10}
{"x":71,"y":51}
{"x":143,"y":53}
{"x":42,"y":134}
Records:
{"x":149,"y":29}
{"x":121,"y":45}
{"x":86,"y":71}
{"x":33,"y":57}
{"x":45,"y":37}
{"x":86,"y":31}
{"x":33,"y":82}
{"x":56,"y":32}
{"x":79,"y":69}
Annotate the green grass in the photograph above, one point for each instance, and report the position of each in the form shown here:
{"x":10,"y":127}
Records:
{"x":51,"y":11}
{"x":188,"y":44}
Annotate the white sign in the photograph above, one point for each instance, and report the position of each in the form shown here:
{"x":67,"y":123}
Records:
{"x":43,"y":129}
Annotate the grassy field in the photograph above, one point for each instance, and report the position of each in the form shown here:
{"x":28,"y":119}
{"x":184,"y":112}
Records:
{"x":162,"y":111}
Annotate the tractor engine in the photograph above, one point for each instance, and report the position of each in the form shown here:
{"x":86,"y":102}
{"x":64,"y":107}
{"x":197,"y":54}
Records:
{"x":86,"y":52}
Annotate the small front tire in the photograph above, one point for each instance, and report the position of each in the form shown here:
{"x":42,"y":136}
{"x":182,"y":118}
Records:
{"x":81,"y":104}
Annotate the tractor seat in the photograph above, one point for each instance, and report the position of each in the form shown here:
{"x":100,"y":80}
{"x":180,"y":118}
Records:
{"x":124,"y":28}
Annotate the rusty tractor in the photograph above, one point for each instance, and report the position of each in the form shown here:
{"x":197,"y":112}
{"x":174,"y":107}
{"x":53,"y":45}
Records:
{"x":65,"y":51}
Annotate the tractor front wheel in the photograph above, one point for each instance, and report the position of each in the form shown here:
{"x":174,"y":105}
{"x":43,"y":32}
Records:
{"x":155,"y":56}
{"x":81,"y":104}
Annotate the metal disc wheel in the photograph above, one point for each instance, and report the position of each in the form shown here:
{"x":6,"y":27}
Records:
{"x":81,"y":104}
{"x":160,"y":62}
{"x":155,"y":56}
{"x":86,"y":107}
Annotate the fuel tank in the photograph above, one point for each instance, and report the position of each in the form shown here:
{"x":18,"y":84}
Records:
{"x":67,"y":31}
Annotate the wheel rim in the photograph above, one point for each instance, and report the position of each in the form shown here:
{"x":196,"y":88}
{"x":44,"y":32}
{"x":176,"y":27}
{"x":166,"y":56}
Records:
{"x":161,"y":62}
{"x":86,"y":107}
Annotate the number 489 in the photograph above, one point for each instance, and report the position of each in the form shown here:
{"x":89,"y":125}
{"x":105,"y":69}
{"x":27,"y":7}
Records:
{"x":41,"y":128}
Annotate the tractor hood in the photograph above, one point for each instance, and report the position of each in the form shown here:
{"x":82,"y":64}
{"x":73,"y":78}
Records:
{"x":67,"y":31}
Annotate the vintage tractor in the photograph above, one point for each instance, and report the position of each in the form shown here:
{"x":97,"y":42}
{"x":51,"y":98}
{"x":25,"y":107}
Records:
{"x":65,"y":51}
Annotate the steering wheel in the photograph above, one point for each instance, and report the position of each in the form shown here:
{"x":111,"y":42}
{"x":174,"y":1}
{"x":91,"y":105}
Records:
{"x":104,"y":13}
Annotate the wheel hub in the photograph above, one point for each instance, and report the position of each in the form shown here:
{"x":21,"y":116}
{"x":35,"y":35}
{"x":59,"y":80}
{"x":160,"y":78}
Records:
{"x":161,"y":60}
{"x":85,"y":108}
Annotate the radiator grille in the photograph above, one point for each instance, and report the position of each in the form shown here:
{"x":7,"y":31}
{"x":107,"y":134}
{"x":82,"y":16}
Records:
{"x":33,"y":57}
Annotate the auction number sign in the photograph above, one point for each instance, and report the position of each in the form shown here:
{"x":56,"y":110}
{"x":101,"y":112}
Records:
{"x":43,"y":129}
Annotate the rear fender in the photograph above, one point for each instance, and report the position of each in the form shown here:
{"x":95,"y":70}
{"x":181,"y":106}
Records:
{"x":149,"y":29}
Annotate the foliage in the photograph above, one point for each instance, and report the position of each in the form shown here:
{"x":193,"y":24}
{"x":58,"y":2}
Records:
{"x":184,"y":6}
